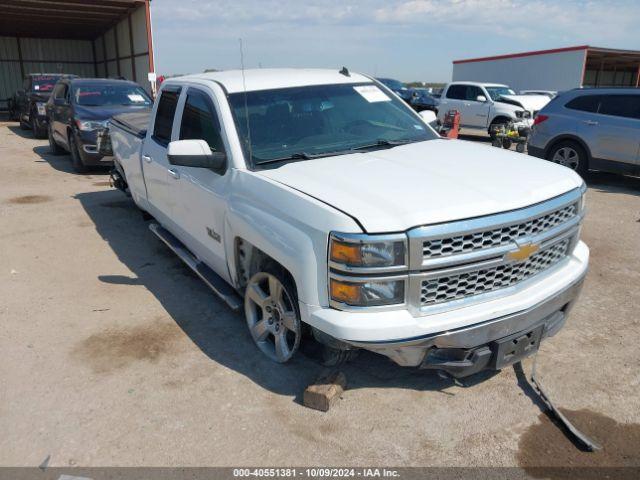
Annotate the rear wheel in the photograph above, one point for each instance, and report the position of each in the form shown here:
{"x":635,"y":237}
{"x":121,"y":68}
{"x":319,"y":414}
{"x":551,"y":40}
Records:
{"x":76,"y":159}
{"x":571,"y":155}
{"x":271,"y":310}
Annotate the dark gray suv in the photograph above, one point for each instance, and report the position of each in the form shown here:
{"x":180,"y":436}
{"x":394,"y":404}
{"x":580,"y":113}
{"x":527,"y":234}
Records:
{"x":594,"y":128}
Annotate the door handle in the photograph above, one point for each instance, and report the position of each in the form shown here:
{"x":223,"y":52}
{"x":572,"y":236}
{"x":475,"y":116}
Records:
{"x":147,"y":158}
{"x":591,"y":122}
{"x":174,"y":173}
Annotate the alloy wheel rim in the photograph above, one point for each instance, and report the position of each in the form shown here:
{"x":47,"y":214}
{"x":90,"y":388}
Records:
{"x":271,"y":317}
{"x":568,"y":157}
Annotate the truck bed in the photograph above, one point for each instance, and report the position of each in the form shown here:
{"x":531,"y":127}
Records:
{"x":134,"y":123}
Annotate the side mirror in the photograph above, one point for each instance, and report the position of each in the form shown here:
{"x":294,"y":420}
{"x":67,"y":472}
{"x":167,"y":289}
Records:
{"x":59,"y":102}
{"x":428,"y":116}
{"x":195,"y":153}
{"x":481,"y":98}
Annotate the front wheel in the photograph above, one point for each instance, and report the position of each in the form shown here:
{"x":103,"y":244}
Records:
{"x":571,"y":155}
{"x":272,"y":315}
{"x":76,"y":159}
{"x":54,"y":148}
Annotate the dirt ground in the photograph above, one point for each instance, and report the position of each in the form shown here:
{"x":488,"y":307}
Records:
{"x":114,"y":353}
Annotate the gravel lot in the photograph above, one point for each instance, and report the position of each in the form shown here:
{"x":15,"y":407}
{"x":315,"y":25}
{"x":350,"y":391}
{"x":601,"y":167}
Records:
{"x":113,"y":353}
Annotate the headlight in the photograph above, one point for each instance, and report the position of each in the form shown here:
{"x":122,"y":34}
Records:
{"x":583,"y":198}
{"x":526,"y":114}
{"x":88,"y":125}
{"x":367,"y":293}
{"x":41,"y":108}
{"x":360,"y":252}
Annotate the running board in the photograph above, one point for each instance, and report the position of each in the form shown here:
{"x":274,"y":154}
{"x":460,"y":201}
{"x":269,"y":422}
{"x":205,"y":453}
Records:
{"x":214,"y":281}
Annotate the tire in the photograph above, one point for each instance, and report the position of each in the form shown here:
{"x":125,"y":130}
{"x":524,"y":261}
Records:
{"x":506,"y":143}
{"x":54,"y":148}
{"x":520,"y":148}
{"x":37,"y":132}
{"x":272,"y":314}
{"x":76,"y":159}
{"x":23,"y":125}
{"x":570,"y":154}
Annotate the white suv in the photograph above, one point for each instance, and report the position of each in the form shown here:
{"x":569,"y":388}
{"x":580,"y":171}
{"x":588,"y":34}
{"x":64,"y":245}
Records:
{"x":484,"y":105}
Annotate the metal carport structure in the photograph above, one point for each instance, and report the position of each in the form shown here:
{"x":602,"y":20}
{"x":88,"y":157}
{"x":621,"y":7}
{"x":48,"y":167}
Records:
{"x":90,"y":38}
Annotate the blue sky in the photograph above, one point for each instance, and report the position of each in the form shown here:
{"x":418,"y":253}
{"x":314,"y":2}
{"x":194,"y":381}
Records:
{"x":406,"y":39}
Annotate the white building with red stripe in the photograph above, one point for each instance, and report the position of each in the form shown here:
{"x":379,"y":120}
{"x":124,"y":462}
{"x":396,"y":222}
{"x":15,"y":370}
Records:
{"x":557,"y":69}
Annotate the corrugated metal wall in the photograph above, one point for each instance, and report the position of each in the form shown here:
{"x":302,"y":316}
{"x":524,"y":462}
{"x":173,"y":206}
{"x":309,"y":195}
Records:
{"x":41,"y":56}
{"x":555,"y":71}
{"x":120,"y":52}
{"x":125,"y":49}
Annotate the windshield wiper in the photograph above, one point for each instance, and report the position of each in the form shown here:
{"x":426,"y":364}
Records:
{"x":381,"y":142}
{"x":295,"y":156}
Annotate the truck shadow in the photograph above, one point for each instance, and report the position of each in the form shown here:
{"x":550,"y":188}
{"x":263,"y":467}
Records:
{"x":217,"y":331}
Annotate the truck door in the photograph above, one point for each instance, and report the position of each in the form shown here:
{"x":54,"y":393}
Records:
{"x":59,"y":114}
{"x":201,"y":197}
{"x":155,"y":164}
{"x":476,"y":112}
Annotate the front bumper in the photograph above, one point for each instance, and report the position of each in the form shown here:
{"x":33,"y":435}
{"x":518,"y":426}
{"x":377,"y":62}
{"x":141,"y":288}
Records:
{"x":88,"y":149}
{"x":468,"y":350}
{"x":408,"y":339}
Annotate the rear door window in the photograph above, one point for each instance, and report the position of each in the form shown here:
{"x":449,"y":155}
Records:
{"x":585,"y":103}
{"x":164,"y":116}
{"x":627,"y":106}
{"x":200,"y":121}
{"x":457,"y":92}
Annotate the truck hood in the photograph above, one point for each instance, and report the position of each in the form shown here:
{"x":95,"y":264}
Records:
{"x":424,"y":183}
{"x":528,"y":102}
{"x":86,"y":112}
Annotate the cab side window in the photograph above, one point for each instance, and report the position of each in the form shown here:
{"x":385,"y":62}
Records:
{"x":473,"y":93}
{"x":457,"y":92}
{"x":200,"y":121}
{"x":164,"y":116}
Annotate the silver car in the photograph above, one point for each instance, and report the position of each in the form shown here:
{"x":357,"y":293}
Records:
{"x":595,"y":128}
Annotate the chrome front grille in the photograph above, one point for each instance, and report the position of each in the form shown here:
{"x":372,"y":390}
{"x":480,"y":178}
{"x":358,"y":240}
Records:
{"x":459,"y":263}
{"x":442,"y":247}
{"x":454,"y":287}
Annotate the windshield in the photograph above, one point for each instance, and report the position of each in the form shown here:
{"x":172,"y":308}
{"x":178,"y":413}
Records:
{"x":308,"y":122}
{"x":44,"y":83}
{"x":99,"y":95}
{"x":496,"y":92}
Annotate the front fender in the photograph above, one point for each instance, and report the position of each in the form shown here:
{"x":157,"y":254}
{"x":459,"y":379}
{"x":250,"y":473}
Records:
{"x":289,"y":226}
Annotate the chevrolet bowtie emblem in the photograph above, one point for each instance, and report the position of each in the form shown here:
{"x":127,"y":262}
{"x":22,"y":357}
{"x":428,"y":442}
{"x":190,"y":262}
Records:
{"x":523,"y":252}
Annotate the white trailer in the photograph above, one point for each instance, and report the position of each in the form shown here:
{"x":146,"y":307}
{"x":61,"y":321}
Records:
{"x":558,"y":69}
{"x":89,"y":38}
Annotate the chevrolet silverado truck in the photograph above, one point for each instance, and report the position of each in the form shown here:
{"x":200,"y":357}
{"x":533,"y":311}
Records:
{"x":485,"y":106}
{"x":326,"y":209}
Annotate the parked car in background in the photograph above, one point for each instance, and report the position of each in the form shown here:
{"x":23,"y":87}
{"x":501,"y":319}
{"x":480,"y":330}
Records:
{"x":80,"y":107}
{"x":422,"y":99}
{"x":397,"y":87}
{"x":329,"y":211}
{"x":590,"y":129}
{"x":484,"y":106}
{"x":28,"y":103}
{"x":548,"y":93}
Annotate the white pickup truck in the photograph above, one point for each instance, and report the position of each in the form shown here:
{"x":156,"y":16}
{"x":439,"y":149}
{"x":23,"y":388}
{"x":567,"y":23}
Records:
{"x":327,"y":209}
{"x":483,"y":106}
